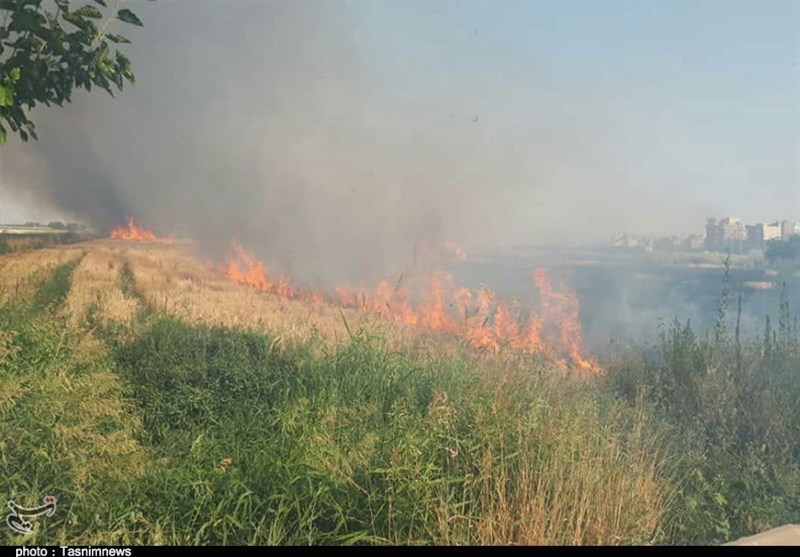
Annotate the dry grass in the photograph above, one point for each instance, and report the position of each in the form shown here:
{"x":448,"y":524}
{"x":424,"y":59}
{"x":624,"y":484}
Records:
{"x":557,"y":471}
{"x":61,"y":380}
{"x":448,"y":450}
{"x":590,"y":488}
{"x":96,"y":425}
{"x":96,"y":287}
{"x":177,"y":283}
{"x":17,"y":268}
{"x":169,"y":278}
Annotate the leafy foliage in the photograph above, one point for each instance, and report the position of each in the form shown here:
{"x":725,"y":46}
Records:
{"x":733,"y":406}
{"x":46,"y":54}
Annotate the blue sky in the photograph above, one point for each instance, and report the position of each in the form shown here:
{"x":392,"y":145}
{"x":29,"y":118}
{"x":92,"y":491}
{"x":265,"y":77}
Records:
{"x":509,"y":120}
{"x":696,"y":100}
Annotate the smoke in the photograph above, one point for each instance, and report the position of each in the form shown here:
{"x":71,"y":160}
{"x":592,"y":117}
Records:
{"x":269,"y":123}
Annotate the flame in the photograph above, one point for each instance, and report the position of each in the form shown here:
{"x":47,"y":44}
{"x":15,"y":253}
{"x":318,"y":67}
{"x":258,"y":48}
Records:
{"x":132,"y":231}
{"x":434,"y":310}
{"x":486,"y":323}
{"x":560,"y":308}
{"x":284,"y":289}
{"x":243,"y":268}
{"x":506,"y":328}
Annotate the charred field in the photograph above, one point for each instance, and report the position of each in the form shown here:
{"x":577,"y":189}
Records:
{"x":164,"y":399}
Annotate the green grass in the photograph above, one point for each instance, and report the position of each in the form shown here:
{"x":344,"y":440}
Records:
{"x":53,"y":290}
{"x":189,"y":434}
{"x":263,"y":444}
{"x":734,"y":405}
{"x":164,"y":432}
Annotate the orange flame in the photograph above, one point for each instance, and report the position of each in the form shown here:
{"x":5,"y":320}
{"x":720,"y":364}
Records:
{"x":560,"y":309}
{"x":243,"y":268}
{"x":132,"y":231}
{"x":484,"y":322}
{"x":487,"y":324}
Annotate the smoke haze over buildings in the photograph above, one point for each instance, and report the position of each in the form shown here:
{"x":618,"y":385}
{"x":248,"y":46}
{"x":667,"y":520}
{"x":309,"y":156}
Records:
{"x":330,"y":138}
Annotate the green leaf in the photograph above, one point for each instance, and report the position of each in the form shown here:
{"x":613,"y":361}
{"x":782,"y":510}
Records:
{"x":18,"y":5}
{"x":26,"y":43}
{"x":88,"y":11}
{"x":117,"y":38}
{"x":52,"y":60}
{"x":6,"y":96}
{"x":129,"y":17}
{"x":81,"y":24}
{"x":25,"y":21}
{"x":2,"y":135}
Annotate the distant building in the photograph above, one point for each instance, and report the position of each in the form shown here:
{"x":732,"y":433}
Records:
{"x":693,"y":242}
{"x":623,"y":240}
{"x":758,"y":235}
{"x":626,"y":241}
{"x":39,"y":228}
{"x":771,"y":231}
{"x":726,"y":234}
{"x":789,"y":228}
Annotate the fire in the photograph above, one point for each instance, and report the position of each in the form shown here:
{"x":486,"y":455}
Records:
{"x":560,"y":308}
{"x":284,"y":289}
{"x":243,"y":268}
{"x":485,"y":322}
{"x":434,"y":314}
{"x":132,"y":231}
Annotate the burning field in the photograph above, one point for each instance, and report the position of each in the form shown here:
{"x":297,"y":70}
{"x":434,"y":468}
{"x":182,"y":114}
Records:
{"x":422,"y":300}
{"x":432,"y":412}
{"x":167,"y":369}
{"x":132,"y":231}
{"x":433,"y":303}
{"x":373,"y":281}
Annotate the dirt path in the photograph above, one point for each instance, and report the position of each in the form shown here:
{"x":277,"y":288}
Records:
{"x":784,"y":535}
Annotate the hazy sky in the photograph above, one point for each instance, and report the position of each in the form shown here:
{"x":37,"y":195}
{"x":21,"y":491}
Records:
{"x":507,"y":122}
{"x":691,"y":101}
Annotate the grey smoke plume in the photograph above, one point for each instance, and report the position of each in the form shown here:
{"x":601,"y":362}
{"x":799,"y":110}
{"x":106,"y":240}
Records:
{"x":260,"y":121}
